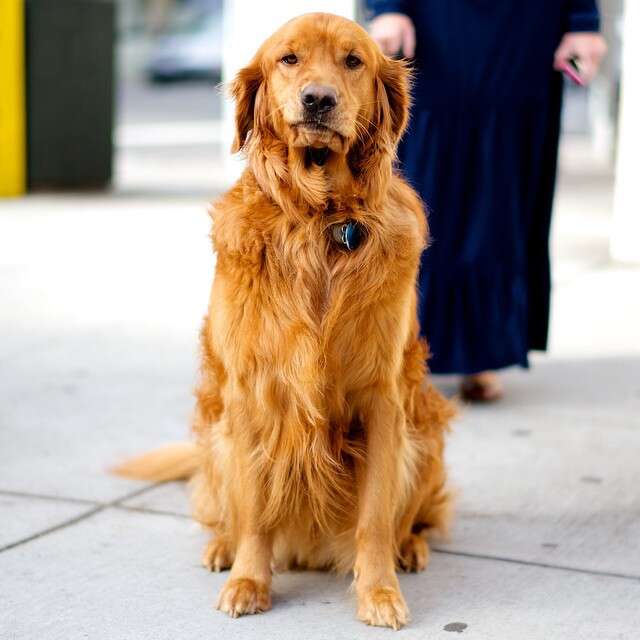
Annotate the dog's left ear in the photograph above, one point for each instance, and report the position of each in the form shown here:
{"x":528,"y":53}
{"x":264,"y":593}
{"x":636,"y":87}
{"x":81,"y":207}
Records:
{"x":244,"y":90}
{"x":394,"y":99}
{"x":371,"y":157}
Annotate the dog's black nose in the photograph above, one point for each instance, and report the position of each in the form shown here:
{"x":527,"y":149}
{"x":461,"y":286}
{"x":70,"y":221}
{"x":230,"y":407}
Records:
{"x":317,"y":99}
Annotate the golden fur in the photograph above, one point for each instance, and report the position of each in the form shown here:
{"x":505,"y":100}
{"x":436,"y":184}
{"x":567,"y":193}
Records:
{"x":319,"y":440}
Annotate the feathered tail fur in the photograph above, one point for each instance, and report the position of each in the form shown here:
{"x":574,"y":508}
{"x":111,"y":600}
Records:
{"x":177,"y":461}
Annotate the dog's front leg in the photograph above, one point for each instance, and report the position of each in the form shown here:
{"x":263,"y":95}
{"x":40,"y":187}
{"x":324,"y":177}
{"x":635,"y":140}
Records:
{"x":380,"y":600}
{"x":248,"y":589}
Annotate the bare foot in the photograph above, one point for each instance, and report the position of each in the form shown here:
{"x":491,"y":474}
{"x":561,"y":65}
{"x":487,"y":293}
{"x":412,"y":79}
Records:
{"x":482,"y":387}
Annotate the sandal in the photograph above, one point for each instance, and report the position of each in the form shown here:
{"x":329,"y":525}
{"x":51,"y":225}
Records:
{"x":482,"y":387}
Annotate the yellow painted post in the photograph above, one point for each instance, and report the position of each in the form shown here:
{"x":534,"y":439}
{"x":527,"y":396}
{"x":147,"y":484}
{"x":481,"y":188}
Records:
{"x":12,"y":99}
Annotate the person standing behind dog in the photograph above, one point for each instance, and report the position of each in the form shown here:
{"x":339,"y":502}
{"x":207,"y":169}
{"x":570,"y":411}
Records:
{"x":482,"y":151}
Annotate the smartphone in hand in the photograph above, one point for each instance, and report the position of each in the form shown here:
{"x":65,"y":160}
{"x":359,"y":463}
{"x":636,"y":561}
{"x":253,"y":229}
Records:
{"x":571,"y":68}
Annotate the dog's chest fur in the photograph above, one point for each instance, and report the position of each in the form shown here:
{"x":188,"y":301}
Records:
{"x":311,"y":325}
{"x":296,"y":296}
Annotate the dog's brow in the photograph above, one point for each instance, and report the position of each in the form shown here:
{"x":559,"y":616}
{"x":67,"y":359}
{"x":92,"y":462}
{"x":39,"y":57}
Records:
{"x":294,"y":44}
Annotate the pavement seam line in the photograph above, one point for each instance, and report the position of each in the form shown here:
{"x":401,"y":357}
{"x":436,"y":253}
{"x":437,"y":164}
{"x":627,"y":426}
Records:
{"x":117,"y":504}
{"x":464,"y":554}
{"x":42,"y":496}
{"x":53,"y":529}
{"x":76,"y":519}
{"x":155,"y":512}
{"x":541,"y":565}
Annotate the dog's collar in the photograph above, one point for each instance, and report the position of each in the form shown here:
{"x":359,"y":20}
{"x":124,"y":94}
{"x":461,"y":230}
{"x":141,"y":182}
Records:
{"x":349,"y":234}
{"x":317,"y":155}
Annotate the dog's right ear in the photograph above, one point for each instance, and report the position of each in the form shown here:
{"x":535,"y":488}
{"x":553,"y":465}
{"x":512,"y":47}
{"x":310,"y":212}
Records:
{"x":244,"y":90}
{"x":394,"y":81}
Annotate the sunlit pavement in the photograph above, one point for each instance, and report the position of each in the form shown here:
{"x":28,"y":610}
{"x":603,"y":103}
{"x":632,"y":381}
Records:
{"x":101,"y":299}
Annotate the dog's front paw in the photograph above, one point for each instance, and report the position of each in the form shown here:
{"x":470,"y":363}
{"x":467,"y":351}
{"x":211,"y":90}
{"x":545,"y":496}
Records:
{"x":414,"y":553}
{"x":241,"y":596}
{"x":217,"y":556}
{"x":383,"y":607}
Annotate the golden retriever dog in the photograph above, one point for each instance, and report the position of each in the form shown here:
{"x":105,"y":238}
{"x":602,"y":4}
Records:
{"x":319,"y":442}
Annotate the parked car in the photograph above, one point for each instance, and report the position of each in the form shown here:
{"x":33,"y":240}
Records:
{"x":192,"y":45}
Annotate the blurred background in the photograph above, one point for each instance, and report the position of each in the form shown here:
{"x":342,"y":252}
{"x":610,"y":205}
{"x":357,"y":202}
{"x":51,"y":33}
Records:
{"x":170,"y":59}
{"x":124,"y":95}
{"x":114,"y":136}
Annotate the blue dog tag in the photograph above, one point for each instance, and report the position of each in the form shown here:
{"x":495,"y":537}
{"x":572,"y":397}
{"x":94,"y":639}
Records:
{"x":350,"y":234}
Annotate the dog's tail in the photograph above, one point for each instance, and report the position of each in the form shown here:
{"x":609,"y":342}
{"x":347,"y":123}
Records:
{"x":178,"y":461}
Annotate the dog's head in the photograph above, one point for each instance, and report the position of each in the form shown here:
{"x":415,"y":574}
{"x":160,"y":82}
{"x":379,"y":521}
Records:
{"x":320,"y":81}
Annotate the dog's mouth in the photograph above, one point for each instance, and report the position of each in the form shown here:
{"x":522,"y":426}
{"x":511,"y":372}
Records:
{"x":316,"y":133}
{"x":314,"y":126}
{"x":317,"y":130}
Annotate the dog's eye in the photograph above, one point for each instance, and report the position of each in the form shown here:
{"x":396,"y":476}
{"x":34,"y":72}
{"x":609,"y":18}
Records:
{"x":290,"y":59}
{"x":353,"y":62}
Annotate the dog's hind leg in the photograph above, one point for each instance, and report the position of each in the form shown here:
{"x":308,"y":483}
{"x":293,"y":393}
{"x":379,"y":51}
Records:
{"x":430,"y":504}
{"x":414,"y":553}
{"x":218,"y":554}
{"x":413,"y":546}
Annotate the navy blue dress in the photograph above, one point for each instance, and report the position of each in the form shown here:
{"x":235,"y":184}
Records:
{"x":481,"y":150}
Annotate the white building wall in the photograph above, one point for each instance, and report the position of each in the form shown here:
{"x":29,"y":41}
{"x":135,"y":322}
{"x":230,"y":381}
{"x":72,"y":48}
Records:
{"x":625,"y":237}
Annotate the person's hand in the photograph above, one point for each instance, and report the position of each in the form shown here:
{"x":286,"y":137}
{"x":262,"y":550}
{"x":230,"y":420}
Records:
{"x":394,"y":32}
{"x":588,"y":47}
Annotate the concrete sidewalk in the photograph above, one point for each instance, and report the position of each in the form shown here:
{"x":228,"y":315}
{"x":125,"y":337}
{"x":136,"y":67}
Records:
{"x":101,"y":302}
